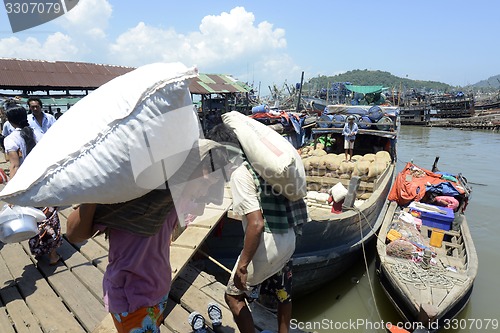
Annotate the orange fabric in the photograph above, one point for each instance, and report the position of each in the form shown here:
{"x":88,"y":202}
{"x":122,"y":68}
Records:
{"x":409,"y":184}
{"x":146,"y":319}
{"x":396,"y":329}
{"x":264,"y":115}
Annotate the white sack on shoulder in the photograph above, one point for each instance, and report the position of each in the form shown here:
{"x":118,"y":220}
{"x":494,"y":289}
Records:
{"x":114,"y":145}
{"x":270,"y":154}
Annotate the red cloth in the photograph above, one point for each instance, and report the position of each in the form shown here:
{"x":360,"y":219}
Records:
{"x":410,"y":184}
{"x":337,"y":206}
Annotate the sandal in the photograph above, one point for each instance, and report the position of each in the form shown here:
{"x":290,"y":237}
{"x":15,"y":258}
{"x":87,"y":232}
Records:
{"x":197,"y":322}
{"x":215,"y":313}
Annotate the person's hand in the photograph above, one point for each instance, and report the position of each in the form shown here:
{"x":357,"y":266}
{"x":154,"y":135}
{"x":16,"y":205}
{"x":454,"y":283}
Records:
{"x":240,"y":278}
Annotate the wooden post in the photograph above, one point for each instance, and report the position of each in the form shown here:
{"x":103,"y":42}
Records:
{"x":300,"y":92}
{"x":351,"y":192}
{"x":435,"y":165}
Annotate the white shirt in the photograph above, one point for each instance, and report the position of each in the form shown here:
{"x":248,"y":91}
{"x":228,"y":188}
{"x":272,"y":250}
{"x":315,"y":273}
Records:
{"x":14,"y":142}
{"x":47,"y":121}
{"x":244,"y":192}
{"x":7,"y":129}
{"x":274,"y":249}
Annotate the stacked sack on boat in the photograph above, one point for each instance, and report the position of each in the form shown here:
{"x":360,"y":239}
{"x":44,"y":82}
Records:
{"x":318,"y":163}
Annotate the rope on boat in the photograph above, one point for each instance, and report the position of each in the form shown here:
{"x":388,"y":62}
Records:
{"x":434,"y":277}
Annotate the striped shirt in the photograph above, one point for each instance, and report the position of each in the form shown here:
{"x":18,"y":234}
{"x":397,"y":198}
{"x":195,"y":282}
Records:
{"x":278,"y":212}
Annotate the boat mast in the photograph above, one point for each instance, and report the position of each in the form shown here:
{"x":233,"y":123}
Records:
{"x":300,"y":92}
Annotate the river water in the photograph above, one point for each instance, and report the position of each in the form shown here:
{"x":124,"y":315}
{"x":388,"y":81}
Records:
{"x":356,"y":303}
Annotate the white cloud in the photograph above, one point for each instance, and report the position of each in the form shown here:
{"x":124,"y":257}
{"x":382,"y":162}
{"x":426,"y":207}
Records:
{"x":84,"y":34}
{"x":230,"y":43}
{"x":89,"y":18}
{"x":60,"y":47}
{"x":145,"y":44}
{"x":56,"y":47}
{"x":226,"y":43}
{"x":229,"y":37}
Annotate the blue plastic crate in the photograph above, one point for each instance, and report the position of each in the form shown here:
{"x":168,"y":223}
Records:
{"x":434,"y":219}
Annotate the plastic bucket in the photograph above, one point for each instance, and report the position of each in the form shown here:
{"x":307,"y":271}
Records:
{"x":437,"y":236}
{"x":384,"y":123}
{"x":375,"y":113}
{"x":339,"y":119}
{"x":260,"y":108}
{"x":325,"y":117}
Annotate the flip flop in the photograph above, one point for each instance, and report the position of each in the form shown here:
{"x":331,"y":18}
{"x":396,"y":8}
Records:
{"x":197,"y":322}
{"x":215,"y":313}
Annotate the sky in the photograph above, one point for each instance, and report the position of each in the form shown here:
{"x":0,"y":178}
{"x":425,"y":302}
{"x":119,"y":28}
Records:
{"x":269,"y":43}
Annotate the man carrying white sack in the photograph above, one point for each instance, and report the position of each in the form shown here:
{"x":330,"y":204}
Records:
{"x":270,"y":221}
{"x":138,"y":277}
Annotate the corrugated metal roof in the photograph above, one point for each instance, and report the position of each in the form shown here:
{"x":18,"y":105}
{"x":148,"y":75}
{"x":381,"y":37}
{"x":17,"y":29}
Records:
{"x":48,"y":101}
{"x":55,"y":75}
{"x":40,"y":75}
{"x":216,"y":84}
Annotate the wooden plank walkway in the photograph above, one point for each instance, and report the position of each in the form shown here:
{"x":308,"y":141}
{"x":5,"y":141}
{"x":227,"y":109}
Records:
{"x":37,"y":297}
{"x":68,"y":297}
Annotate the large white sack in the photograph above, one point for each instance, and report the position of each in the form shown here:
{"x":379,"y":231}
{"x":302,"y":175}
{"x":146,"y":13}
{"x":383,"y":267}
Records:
{"x":116,"y":144}
{"x":271,"y":155}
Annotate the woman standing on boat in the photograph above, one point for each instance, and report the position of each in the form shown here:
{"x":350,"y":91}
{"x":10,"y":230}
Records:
{"x":349,"y":132}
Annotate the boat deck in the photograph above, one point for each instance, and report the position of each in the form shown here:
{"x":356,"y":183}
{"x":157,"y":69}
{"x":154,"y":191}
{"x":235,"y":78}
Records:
{"x":37,"y":297}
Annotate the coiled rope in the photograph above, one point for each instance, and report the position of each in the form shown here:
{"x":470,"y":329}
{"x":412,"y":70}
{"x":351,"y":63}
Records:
{"x":433,"y":277}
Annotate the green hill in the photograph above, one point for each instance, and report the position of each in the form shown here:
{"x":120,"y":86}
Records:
{"x":369,"y":78}
{"x":493,"y":82}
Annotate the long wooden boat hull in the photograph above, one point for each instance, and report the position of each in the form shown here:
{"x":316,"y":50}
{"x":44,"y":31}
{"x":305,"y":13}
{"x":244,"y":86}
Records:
{"x":427,"y":298}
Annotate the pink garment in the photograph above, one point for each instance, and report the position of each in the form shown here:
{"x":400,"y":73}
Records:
{"x":139,"y":272}
{"x":446,"y":201}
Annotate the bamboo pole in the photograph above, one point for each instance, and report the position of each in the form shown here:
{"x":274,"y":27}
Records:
{"x":215,"y":261}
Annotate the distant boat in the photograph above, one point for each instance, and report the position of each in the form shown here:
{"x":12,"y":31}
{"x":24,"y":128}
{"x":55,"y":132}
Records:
{"x":315,"y":105}
{"x":453,"y":107}
{"x":426,"y":271}
{"x":415,"y":115}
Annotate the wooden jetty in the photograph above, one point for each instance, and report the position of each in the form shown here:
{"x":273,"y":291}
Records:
{"x":37,"y":297}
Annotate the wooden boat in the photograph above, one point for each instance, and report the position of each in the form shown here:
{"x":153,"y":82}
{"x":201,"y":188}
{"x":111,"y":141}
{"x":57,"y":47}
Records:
{"x":315,"y":105}
{"x":415,"y":115}
{"x":331,"y":242}
{"x":427,"y":292}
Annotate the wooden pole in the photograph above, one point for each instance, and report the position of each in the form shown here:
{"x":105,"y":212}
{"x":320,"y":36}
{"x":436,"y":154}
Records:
{"x":300,"y":92}
{"x":215,"y":261}
{"x":327,"y":90}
